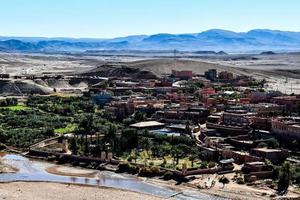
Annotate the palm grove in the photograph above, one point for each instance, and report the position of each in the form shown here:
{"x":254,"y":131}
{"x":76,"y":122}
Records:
{"x":42,"y":117}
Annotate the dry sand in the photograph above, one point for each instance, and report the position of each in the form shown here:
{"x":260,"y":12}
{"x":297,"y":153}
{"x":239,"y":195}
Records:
{"x":57,"y":191}
{"x":71,"y":171}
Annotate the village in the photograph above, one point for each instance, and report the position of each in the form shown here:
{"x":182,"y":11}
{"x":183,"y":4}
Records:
{"x":197,"y":129}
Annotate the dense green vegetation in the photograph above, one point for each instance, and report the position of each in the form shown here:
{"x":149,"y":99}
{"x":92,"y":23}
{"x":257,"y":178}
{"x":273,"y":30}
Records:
{"x":66,"y":106}
{"x":8,"y":102}
{"x":42,"y":117}
{"x":22,"y":128}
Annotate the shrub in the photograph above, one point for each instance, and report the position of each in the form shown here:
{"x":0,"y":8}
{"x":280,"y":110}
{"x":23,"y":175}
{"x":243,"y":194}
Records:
{"x":262,"y":145}
{"x":155,"y":170}
{"x":123,"y":167}
{"x":149,"y":172}
{"x":145,"y":171}
{"x":133,"y":169}
{"x":224,"y":180}
{"x":240,"y":180}
{"x":272,"y":185}
{"x":129,"y":158}
{"x":2,"y":146}
{"x":211,"y":164}
{"x":168,"y":175}
{"x":203,"y":165}
{"x":126,"y":167}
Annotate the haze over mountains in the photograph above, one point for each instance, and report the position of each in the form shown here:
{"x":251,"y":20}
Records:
{"x":211,"y":40}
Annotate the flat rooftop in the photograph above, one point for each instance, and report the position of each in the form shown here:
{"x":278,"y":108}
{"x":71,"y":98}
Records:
{"x":267,"y":150}
{"x":147,"y":124}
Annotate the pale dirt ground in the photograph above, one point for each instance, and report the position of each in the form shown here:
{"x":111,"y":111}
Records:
{"x":56,"y":191}
{"x":21,"y":64}
{"x":281,"y":71}
{"x":237,"y":191}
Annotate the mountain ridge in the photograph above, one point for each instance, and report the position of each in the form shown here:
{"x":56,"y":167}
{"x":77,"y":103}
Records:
{"x":210,"y":40}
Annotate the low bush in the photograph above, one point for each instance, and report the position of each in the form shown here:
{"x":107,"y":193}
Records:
{"x":123,"y":167}
{"x":155,"y":170}
{"x":133,"y":169}
{"x":224,"y":180}
{"x":203,"y":165}
{"x":2,"y":146}
{"x":149,"y":172}
{"x":168,"y":175}
{"x":145,"y":171}
{"x":126,"y":167}
{"x":240,"y":180}
{"x":211,"y":164}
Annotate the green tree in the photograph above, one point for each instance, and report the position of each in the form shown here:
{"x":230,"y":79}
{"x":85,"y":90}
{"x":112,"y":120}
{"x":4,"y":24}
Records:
{"x":129,"y":139}
{"x":73,"y":146}
{"x":86,"y":128}
{"x":146,"y":143}
{"x":193,"y":155}
{"x":273,"y":143}
{"x":285,"y":174}
{"x":176,"y":154}
{"x":139,"y":116}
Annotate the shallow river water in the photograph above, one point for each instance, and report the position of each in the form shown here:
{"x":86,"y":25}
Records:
{"x":35,"y":170}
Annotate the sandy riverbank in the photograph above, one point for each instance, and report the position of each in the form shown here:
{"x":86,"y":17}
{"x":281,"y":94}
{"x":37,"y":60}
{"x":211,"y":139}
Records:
{"x":71,"y":171}
{"x":50,"y":191}
{"x":4,"y":168}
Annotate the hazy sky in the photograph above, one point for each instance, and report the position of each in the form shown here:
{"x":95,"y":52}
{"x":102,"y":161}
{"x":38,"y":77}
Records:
{"x":111,"y":18}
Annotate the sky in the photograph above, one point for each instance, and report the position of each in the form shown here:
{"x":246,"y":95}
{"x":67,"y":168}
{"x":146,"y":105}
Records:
{"x":116,"y":18}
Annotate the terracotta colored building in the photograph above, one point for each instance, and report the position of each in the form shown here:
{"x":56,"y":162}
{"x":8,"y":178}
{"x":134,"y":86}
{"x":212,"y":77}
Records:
{"x":286,"y":127}
{"x":186,"y":74}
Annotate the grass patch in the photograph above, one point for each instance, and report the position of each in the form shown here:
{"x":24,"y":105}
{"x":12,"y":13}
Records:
{"x":15,"y":108}
{"x":68,"y":129}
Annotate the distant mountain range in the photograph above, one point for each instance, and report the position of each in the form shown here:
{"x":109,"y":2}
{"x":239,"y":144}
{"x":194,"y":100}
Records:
{"x":211,"y":40}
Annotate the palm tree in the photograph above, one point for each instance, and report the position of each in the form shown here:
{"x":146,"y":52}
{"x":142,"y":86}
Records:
{"x":86,"y":127}
{"x":192,"y":158}
{"x":73,"y":145}
{"x":110,"y":135}
{"x":146,"y":143}
{"x":176,"y":154}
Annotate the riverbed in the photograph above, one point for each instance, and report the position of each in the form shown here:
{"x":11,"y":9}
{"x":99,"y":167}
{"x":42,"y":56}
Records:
{"x":30,"y":170}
